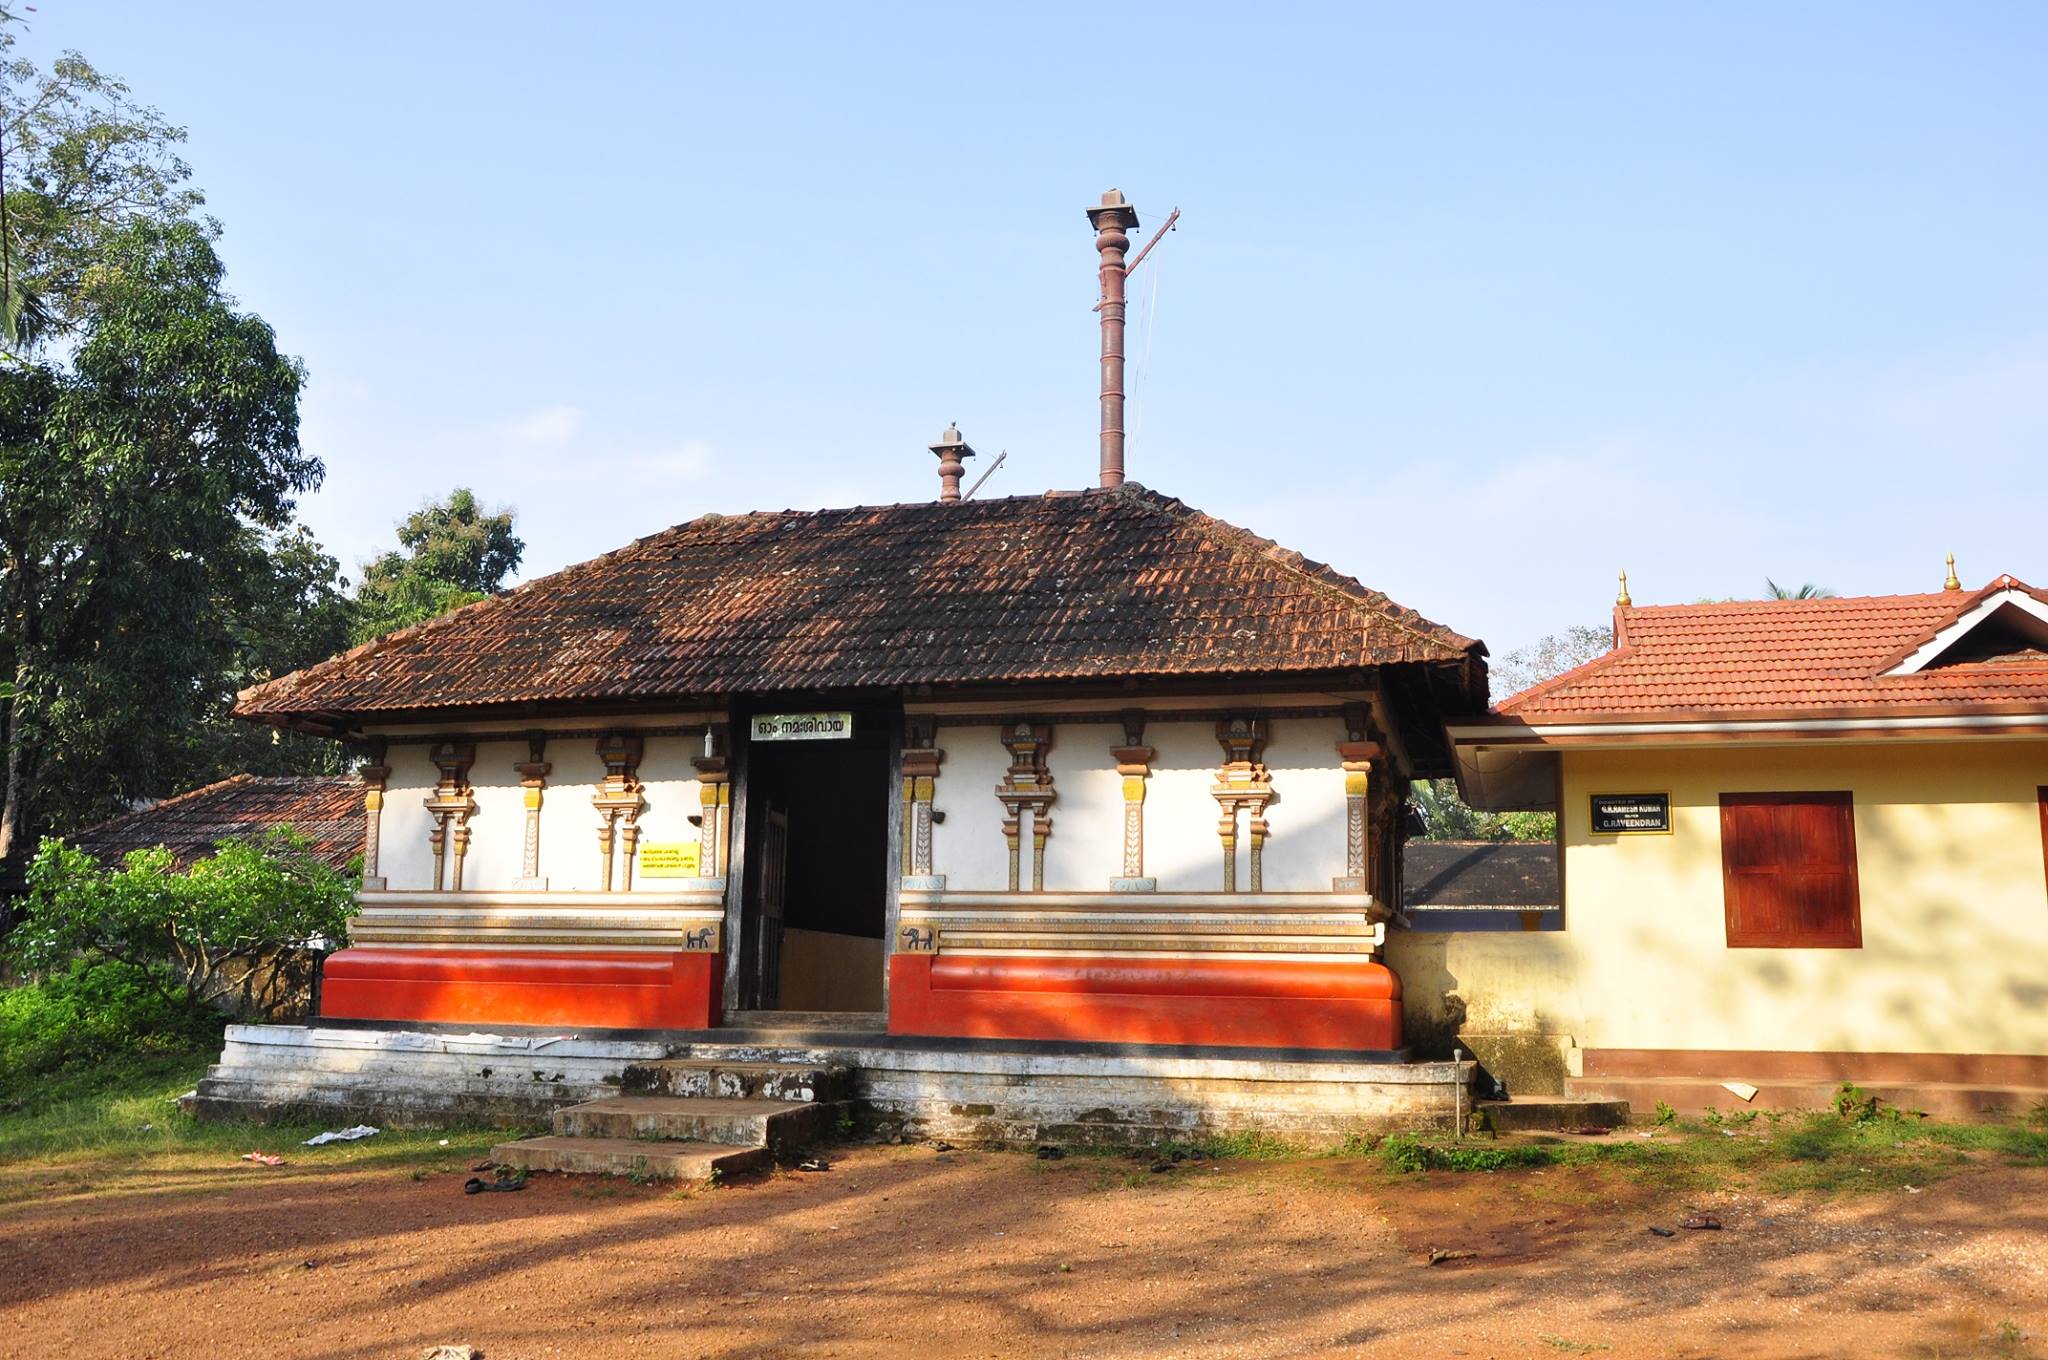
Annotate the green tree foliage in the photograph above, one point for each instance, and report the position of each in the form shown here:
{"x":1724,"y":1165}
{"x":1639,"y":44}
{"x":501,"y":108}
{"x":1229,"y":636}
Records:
{"x":143,"y":487}
{"x":84,"y":162}
{"x":149,"y":465}
{"x":235,"y":929}
{"x":450,"y":554}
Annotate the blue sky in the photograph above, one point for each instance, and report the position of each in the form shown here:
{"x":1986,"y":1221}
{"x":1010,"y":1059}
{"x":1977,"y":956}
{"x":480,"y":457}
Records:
{"x":1478,"y":304}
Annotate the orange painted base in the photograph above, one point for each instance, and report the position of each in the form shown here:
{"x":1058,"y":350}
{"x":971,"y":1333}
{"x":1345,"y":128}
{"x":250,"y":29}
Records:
{"x":1242,"y":1003}
{"x":523,"y":987}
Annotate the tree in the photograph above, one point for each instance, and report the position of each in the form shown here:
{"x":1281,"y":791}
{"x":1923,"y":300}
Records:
{"x":450,"y":554}
{"x":141,"y":486}
{"x":1550,"y":655}
{"x":236,"y":929}
{"x":83,"y":162}
{"x":1774,"y":591}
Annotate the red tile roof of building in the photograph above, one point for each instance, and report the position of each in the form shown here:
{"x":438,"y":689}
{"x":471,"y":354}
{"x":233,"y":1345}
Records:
{"x":326,"y":809}
{"x":1767,"y":658}
{"x":1120,"y":583}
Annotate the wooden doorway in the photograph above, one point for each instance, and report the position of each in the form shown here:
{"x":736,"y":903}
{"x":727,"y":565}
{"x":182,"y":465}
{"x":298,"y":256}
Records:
{"x":815,"y":867}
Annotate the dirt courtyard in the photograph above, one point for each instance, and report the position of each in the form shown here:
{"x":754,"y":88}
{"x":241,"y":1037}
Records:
{"x":899,"y":1251}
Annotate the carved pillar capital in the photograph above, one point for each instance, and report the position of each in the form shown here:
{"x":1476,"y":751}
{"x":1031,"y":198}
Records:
{"x":1027,"y":792}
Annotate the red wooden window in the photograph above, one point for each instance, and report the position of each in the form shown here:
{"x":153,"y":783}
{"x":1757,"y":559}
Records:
{"x":1788,"y":870}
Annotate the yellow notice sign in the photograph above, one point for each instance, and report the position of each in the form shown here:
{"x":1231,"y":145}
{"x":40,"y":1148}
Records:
{"x":668,"y":859}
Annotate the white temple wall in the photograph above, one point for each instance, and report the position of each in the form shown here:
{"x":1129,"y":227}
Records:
{"x":1182,"y":851}
{"x":969,"y":850}
{"x":404,"y":857}
{"x":569,"y":857}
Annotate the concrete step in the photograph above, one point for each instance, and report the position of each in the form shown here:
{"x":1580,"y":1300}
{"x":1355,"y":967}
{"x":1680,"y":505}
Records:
{"x":708,"y":1077}
{"x":853,"y":1022}
{"x":782,"y":1126}
{"x":1694,"y":1095}
{"x":680,"y":1161}
{"x":1548,"y":1114}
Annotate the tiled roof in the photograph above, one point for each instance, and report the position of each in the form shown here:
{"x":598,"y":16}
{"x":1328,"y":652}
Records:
{"x":326,"y":809}
{"x":1100,"y":583}
{"x":1758,"y":658}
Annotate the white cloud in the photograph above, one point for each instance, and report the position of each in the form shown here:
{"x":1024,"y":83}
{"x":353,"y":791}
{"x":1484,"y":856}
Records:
{"x":548,"y":427}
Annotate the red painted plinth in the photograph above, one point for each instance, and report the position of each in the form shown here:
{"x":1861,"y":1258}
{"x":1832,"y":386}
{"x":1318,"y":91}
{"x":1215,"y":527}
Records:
{"x":1245,"y":1003}
{"x":523,"y":987}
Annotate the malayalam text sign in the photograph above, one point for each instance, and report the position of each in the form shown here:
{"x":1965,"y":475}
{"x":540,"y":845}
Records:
{"x":803,"y":726}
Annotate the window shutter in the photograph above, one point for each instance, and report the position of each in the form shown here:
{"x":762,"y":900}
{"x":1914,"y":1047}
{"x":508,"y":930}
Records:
{"x":1788,"y":863}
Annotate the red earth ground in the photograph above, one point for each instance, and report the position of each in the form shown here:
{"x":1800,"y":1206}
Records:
{"x":899,"y":1251}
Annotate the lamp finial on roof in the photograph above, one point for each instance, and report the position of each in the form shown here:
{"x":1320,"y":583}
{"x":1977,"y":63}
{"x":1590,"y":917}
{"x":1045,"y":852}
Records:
{"x":951,"y":449}
{"x":1622,"y":598}
{"x":1952,"y":583}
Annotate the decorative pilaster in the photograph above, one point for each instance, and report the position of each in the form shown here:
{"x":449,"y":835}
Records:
{"x":1356,"y":753}
{"x":921,"y":757}
{"x":533,"y":782}
{"x":374,"y":776}
{"x":618,"y":802}
{"x":1026,"y":791}
{"x":451,"y":805}
{"x":1134,"y":763}
{"x":714,"y":796}
{"x":1242,"y":785}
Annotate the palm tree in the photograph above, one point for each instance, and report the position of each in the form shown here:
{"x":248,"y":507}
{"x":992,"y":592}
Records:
{"x":1805,"y":592}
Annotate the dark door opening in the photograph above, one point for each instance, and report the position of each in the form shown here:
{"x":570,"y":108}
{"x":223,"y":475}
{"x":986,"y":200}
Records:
{"x":816,"y":887}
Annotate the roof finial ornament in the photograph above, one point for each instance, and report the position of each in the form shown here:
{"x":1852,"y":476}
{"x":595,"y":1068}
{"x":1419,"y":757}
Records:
{"x":1952,"y":583}
{"x":951,"y":449}
{"x":1622,"y":599}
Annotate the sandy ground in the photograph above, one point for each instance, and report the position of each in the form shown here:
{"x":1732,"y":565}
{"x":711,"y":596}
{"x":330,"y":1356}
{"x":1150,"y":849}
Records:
{"x":902,"y":1251}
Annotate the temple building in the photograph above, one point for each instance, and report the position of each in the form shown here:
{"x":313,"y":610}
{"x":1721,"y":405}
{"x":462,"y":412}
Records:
{"x":1081,"y":766}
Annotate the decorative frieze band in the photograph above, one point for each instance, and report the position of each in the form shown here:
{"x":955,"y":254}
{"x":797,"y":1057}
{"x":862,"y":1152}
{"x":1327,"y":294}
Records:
{"x":1194,"y":924}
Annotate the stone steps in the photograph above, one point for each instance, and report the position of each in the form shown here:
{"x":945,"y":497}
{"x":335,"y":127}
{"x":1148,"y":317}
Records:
{"x":688,"y":1118}
{"x":808,"y":1022}
{"x":711,"y":1077}
{"x":657,"y":1160}
{"x":1694,"y":1095}
{"x":780,"y":1125}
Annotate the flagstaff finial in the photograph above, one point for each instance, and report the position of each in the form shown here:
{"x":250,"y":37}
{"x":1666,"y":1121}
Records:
{"x":1622,"y":599}
{"x":1952,"y":583}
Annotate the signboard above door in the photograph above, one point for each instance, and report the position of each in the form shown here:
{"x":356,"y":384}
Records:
{"x":803,"y":726}
{"x":1620,"y":814}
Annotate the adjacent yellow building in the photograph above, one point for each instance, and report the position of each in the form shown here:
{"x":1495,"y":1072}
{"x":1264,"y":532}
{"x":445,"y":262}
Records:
{"x":1803,"y":841}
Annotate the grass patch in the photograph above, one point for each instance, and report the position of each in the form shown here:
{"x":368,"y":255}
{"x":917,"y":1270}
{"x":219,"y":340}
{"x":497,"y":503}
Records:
{"x":1242,"y":1146}
{"x":1825,"y":1152}
{"x":115,"y":1116}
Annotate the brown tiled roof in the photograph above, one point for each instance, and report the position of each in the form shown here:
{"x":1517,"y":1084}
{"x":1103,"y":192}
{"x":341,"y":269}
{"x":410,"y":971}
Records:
{"x":1100,"y":583}
{"x":1755,"y":658}
{"x":326,"y":809}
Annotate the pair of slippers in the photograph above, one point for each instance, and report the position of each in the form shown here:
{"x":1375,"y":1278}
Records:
{"x":477,"y":1185}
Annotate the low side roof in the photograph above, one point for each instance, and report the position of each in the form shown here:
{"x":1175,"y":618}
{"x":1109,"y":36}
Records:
{"x":327,"y":809}
{"x":1768,"y":658}
{"x":1113,"y":583}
